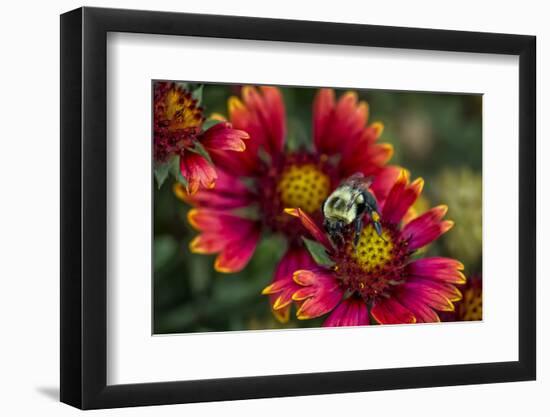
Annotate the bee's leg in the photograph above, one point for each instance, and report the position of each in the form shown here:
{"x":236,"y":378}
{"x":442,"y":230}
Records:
{"x":378,"y":228}
{"x":357,"y":231}
{"x":341,"y":240}
{"x":375,"y":217}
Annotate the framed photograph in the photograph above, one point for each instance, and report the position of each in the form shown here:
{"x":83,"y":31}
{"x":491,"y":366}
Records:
{"x":257,"y":208}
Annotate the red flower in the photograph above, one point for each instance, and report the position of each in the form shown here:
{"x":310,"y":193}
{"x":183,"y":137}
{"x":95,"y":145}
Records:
{"x":379,"y":276}
{"x":276,"y":178}
{"x":178,"y":131}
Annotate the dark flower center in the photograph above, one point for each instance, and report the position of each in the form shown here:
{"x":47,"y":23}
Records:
{"x":178,"y":121}
{"x":470,"y":309}
{"x":304,"y":186}
{"x":375,"y":265}
{"x":300,"y":180}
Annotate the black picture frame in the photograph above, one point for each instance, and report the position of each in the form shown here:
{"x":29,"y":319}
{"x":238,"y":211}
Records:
{"x":84,"y":207}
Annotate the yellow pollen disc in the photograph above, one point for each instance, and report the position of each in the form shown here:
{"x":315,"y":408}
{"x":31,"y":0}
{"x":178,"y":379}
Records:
{"x":181,"y":110}
{"x":372,"y":252}
{"x":471,"y":307}
{"x":303,"y":186}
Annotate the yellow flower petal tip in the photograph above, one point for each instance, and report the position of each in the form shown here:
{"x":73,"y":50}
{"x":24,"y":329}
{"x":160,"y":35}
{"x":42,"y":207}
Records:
{"x":268,"y":290}
{"x":390,"y":149}
{"x":456,"y":298}
{"x":300,"y":315}
{"x":404,"y":176}
{"x":282,"y":316}
{"x":447,"y":225}
{"x":280,"y":303}
{"x":350,"y":95}
{"x":292,"y":211}
{"x":191,"y":218}
{"x":451,"y":306}
{"x":223,"y":269}
{"x":194,"y":246}
{"x":378,"y":127}
{"x":180,"y":192}
{"x":247,"y":90}
{"x":296,"y":276}
{"x":218,"y":116}
{"x":234,"y":103}
{"x":443,"y":208}
{"x":418,"y":184}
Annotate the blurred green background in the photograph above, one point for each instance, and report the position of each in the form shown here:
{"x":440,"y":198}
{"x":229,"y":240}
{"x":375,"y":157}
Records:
{"x":436,"y":136}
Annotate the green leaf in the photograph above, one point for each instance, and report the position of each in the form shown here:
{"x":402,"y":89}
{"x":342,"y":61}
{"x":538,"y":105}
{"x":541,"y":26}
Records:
{"x":201,"y":151}
{"x":183,"y":85}
{"x":318,"y":252}
{"x":197,"y":94}
{"x":209,"y":123}
{"x":176,"y":173}
{"x":162,"y":170}
{"x":181,"y":179}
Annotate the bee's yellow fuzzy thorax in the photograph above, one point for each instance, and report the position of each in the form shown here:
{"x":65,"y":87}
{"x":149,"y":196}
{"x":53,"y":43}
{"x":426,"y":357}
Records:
{"x":303,"y":186}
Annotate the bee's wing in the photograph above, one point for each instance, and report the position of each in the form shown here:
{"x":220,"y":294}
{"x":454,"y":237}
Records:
{"x":357,"y":175}
{"x":359,"y":181}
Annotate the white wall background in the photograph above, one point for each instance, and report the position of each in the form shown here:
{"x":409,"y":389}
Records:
{"x":29,"y":225}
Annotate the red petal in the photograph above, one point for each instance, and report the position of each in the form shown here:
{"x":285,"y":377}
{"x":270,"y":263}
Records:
{"x":422,"y":312}
{"x":401,"y":197}
{"x":428,"y":295}
{"x":350,"y":312}
{"x":262,"y":116}
{"x":437,"y":268}
{"x":449,"y":291}
{"x":242,"y":163}
{"x":197,"y":171}
{"x":234,"y":238}
{"x":310,"y":225}
{"x":207,"y":243}
{"x":322,"y":293}
{"x":383,"y":183}
{"x":427,"y":227}
{"x":282,"y":288}
{"x":229,"y":193}
{"x":236,"y":255}
{"x":365,"y":158}
{"x":223,"y":137}
{"x":274,"y":114}
{"x":390,"y":311}
{"x":337,"y":124}
{"x":323,"y":105}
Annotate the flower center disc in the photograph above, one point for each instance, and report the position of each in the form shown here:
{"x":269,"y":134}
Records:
{"x":182,"y":110}
{"x":375,"y":265}
{"x":471,"y":307}
{"x":303,"y":186}
{"x":372,"y":252}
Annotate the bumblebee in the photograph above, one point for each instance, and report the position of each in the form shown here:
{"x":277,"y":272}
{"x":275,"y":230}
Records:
{"x":346,"y":207}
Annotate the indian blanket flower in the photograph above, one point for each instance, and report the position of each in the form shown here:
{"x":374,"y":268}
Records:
{"x":381,"y":277}
{"x":179,"y":132}
{"x":269,"y":178}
